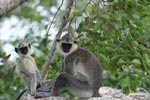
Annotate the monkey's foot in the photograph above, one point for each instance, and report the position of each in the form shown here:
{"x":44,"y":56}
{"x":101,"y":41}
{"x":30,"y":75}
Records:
{"x":42,"y":94}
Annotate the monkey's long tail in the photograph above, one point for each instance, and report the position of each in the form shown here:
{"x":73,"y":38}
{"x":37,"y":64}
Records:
{"x":20,"y":95}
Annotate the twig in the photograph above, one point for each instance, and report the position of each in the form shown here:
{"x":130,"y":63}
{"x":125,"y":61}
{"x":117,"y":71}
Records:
{"x":86,"y":5}
{"x":73,"y":17}
{"x":49,"y":27}
{"x":63,"y":24}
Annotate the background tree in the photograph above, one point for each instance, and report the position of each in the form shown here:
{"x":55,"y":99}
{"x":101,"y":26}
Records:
{"x":116,"y":31}
{"x":6,"y":6}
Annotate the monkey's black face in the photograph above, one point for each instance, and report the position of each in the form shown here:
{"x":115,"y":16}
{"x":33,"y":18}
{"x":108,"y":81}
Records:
{"x":66,"y":47}
{"x":24,"y":50}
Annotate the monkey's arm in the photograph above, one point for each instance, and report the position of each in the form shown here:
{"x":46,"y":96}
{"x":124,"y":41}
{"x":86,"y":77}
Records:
{"x":62,"y":66}
{"x":38,"y":75}
{"x":39,"y":78}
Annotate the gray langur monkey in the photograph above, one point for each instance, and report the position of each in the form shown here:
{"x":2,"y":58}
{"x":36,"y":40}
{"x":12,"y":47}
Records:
{"x":27,"y":69}
{"x":81,"y":71}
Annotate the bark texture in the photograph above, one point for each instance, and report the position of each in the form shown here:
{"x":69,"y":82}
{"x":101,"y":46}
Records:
{"x":8,"y":5}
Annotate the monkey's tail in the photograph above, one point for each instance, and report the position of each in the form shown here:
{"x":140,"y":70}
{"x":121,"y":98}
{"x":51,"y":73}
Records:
{"x":20,"y":95}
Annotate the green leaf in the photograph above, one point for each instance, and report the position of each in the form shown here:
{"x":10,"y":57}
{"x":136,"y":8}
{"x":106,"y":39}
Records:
{"x":109,"y":49}
{"x":102,"y":56}
{"x":97,"y":26}
{"x":121,"y":61}
{"x":77,"y":14}
{"x":136,"y":62}
{"x":115,"y":57}
{"x":105,"y":17}
{"x":134,"y":84}
{"x":125,"y":82}
{"x":141,"y":47}
{"x":126,"y":90}
{"x":147,"y":58}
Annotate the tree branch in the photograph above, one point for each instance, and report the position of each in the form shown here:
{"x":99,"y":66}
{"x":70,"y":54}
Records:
{"x":63,"y":24}
{"x":8,"y":5}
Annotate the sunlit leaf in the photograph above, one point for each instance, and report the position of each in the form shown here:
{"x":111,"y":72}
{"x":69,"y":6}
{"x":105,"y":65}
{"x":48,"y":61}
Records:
{"x":136,"y":62}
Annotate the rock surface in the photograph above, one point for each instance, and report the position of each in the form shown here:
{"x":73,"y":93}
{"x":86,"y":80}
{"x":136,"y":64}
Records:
{"x":106,"y":92}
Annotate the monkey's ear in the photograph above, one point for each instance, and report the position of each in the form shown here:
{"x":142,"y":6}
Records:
{"x":57,"y":40}
{"x":16,"y":50}
{"x":75,"y":42}
{"x":29,"y":45}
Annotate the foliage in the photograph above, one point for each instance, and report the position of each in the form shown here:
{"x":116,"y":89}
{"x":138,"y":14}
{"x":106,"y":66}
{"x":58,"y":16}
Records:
{"x":117,"y":33}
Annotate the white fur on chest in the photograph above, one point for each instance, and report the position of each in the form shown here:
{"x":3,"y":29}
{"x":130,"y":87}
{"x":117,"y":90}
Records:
{"x":28,"y":64}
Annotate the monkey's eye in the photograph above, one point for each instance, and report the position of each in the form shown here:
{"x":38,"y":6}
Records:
{"x":57,"y":40}
{"x":75,"y":41}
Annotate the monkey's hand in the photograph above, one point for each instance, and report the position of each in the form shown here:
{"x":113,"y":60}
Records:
{"x":42,"y":94}
{"x":44,"y":89}
{"x":46,"y":86}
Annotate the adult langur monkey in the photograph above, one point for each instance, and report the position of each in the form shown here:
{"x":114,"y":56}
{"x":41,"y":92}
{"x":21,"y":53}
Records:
{"x":27,"y":69}
{"x":81,"y":72}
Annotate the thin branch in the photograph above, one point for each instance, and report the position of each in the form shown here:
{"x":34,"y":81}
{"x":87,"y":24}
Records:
{"x":86,"y":5}
{"x":49,"y":27}
{"x":8,"y":5}
{"x":63,"y":24}
{"x":73,"y":17}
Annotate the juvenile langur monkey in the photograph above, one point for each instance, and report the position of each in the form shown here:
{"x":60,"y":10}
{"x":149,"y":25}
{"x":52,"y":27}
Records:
{"x":27,"y":69}
{"x":81,"y":72}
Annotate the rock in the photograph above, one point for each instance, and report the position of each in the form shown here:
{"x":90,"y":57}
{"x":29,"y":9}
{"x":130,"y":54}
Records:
{"x":106,"y":92}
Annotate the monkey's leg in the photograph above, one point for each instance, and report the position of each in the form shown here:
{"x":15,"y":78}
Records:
{"x":46,"y":85}
{"x":66,"y":82}
{"x":45,"y":89}
{"x":42,"y":94}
